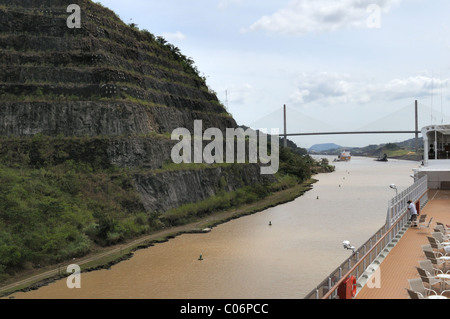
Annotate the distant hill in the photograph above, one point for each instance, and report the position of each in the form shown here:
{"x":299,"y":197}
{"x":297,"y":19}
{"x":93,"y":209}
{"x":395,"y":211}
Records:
{"x":404,"y":150}
{"x":411,"y":143}
{"x":324,"y":147}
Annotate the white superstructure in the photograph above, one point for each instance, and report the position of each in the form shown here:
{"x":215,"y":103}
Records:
{"x":436,"y":162}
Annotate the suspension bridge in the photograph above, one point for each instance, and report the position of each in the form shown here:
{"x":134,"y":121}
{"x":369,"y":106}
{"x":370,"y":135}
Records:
{"x":408,"y":120}
{"x":416,"y":131}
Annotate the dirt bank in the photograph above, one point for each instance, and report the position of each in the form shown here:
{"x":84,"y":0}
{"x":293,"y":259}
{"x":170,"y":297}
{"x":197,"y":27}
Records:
{"x":103,"y":258}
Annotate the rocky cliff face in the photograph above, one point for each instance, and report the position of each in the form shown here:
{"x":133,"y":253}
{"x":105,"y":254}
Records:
{"x":104,"y":78}
{"x":108,"y":85}
{"x":172,"y":189}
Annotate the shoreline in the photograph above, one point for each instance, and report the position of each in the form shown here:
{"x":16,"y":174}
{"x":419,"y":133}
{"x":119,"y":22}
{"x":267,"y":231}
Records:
{"x":413,"y":158}
{"x":104,"y":258}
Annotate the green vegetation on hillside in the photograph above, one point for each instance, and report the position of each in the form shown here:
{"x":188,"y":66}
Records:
{"x":61,"y":196}
{"x":55,"y":206}
{"x":52,"y":214}
{"x":402,"y":150}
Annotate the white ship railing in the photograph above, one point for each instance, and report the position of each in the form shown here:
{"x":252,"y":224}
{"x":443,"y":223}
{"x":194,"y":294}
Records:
{"x":378,"y":245}
{"x":397,"y":205}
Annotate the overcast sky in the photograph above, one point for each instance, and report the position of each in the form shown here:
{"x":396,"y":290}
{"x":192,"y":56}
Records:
{"x":336,"y":64}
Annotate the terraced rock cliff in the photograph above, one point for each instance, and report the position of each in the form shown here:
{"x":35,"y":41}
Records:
{"x":105,"y":79}
{"x":85,"y":121}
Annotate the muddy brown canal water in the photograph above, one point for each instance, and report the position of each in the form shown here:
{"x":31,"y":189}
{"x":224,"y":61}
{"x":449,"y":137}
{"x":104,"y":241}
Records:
{"x":246,"y":258}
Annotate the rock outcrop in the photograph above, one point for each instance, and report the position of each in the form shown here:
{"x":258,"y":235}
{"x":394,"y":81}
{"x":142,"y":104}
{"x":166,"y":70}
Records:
{"x":105,"y":92}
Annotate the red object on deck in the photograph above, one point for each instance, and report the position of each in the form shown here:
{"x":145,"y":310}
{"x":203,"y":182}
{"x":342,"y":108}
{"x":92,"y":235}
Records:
{"x":347,"y":290}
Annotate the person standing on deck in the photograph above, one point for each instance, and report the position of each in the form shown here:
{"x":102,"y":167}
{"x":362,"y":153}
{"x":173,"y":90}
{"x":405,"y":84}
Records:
{"x":413,"y":212}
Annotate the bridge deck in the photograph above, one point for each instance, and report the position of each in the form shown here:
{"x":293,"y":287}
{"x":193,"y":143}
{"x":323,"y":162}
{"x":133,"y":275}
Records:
{"x":350,"y":133}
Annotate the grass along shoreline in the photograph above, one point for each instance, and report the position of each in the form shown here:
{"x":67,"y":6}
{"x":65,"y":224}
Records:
{"x":103,"y":258}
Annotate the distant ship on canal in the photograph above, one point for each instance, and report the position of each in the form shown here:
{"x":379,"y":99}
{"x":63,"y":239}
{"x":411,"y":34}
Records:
{"x":345,"y":156}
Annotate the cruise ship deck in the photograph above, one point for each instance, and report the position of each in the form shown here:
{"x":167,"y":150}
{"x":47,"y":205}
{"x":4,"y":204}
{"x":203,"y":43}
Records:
{"x":400,"y":264}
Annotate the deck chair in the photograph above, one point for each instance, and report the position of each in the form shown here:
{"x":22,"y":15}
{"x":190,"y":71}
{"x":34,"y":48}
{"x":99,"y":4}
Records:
{"x":434,"y":258}
{"x":425,"y":224}
{"x":443,"y":229}
{"x":414,"y":294}
{"x":446,"y":229}
{"x":419,"y":222}
{"x":428,"y":266}
{"x":435,"y":244}
{"x":429,"y":248}
{"x":428,"y":279}
{"x":417,"y":286}
{"x":440,"y":228}
{"x":440,"y":238}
